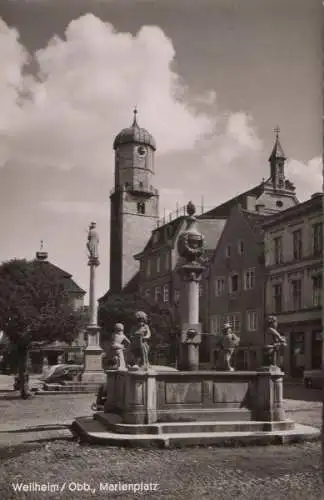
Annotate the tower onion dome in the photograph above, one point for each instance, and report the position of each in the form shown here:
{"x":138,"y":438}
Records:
{"x":134,"y":134}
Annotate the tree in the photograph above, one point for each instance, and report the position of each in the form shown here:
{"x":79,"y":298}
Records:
{"x":163,"y":321}
{"x":35,"y":306}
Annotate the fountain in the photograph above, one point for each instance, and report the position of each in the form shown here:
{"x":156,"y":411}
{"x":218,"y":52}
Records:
{"x":190,"y":406}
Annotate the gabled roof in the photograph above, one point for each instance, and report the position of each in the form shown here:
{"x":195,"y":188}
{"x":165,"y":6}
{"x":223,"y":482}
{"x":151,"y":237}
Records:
{"x":162,"y":235}
{"x":225,"y":208}
{"x":254,"y":220}
{"x":71,"y":285}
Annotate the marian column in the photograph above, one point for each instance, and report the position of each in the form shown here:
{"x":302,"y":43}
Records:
{"x":190,"y":248}
{"x":93,"y":371}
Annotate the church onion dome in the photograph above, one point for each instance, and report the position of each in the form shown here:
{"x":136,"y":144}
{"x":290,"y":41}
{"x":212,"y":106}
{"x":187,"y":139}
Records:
{"x":277,"y":151}
{"x":134,"y":134}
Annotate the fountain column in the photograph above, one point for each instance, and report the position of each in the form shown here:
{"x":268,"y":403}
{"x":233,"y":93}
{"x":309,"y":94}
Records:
{"x":190,"y":248}
{"x":93,"y":371}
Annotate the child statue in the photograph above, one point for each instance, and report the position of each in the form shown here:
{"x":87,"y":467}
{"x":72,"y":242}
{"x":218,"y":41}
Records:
{"x":227,"y":343}
{"x":142,"y":334}
{"x":118,"y":346}
{"x":275,"y":341}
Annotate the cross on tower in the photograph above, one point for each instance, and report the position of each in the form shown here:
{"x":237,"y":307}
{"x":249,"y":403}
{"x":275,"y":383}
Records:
{"x":135,"y":115}
{"x":277,"y":132}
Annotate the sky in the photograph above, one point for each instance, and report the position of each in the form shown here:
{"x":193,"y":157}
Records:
{"x":211,"y":79}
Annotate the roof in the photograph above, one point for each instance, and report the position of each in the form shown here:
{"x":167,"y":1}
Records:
{"x":277,"y":151}
{"x":225,"y":208}
{"x":315,"y":203}
{"x":211,"y":229}
{"x":134,"y":134}
{"x":163,"y":234}
{"x":254,"y":220}
{"x":71,"y":285}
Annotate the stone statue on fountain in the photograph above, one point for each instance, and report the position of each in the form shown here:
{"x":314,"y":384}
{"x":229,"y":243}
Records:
{"x":118,"y":346}
{"x":275,"y":342}
{"x":227,"y":344}
{"x":142,"y":334}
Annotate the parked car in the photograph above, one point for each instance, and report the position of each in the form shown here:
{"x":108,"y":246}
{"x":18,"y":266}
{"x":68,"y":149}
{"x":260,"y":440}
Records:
{"x":59,"y":374}
{"x":313,"y":379}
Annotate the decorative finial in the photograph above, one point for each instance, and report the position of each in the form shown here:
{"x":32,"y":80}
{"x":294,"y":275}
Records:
{"x":135,"y":117}
{"x":191,"y":209}
{"x":41,"y":255}
{"x":277,"y":132}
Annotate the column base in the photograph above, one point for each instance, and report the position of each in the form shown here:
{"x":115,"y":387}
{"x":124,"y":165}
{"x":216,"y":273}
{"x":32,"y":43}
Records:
{"x":93,"y":370}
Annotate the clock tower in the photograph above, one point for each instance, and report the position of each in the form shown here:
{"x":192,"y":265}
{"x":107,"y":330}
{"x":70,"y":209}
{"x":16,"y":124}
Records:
{"x":134,"y":202}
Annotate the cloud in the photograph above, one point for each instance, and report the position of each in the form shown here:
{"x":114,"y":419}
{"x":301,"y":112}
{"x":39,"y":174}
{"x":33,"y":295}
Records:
{"x":307,"y":176}
{"x":84,"y":93}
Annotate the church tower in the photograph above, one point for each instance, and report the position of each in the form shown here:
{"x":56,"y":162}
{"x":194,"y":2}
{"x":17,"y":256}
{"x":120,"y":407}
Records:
{"x":134,"y":202}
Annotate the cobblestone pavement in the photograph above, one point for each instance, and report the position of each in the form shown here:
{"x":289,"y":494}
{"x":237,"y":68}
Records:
{"x":272,"y":472}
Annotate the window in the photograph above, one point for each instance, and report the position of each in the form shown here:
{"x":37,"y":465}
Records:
{"x":249,"y":279}
{"x":252,"y":321}
{"x":148,"y":267}
{"x":216,"y":324}
{"x":240,"y":247}
{"x":317,"y":239}
{"x":317,"y":290}
{"x":158,"y":264}
{"x":141,"y":207}
{"x":233,"y":283}
{"x":167,"y":261}
{"x":166,"y":294}
{"x":297,"y":244}
{"x":228,"y":251}
{"x":176,"y":296}
{"x":147,"y":293}
{"x":277,"y":298}
{"x":219,"y":286}
{"x":234,"y":321}
{"x":296,"y":294}
{"x":157,"y":293}
{"x":278,"y":250}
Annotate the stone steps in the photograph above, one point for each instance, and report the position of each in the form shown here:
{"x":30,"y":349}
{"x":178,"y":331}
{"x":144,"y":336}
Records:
{"x":114,"y":424}
{"x":93,"y":431}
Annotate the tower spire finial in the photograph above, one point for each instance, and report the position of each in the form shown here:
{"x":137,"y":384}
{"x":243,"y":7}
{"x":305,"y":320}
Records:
{"x":277,"y":132}
{"x":41,"y":254}
{"x":135,"y":117}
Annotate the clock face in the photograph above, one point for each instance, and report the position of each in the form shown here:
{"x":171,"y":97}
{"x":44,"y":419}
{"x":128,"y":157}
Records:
{"x":141,"y":151}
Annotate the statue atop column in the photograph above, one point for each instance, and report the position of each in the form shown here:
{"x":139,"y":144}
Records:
{"x":227,"y":344}
{"x":93,"y":243}
{"x":274,"y":342}
{"x":142,"y":334}
{"x":118,"y":346}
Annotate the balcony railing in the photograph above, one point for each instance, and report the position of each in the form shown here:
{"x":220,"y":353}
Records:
{"x":135,"y":187}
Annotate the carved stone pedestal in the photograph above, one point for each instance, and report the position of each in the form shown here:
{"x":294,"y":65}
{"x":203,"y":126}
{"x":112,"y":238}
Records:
{"x":93,"y":371}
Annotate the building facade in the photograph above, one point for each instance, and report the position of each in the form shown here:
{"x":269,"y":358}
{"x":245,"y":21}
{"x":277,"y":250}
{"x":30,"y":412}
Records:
{"x":57,"y":352}
{"x":236,"y":286}
{"x":293,"y":245}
